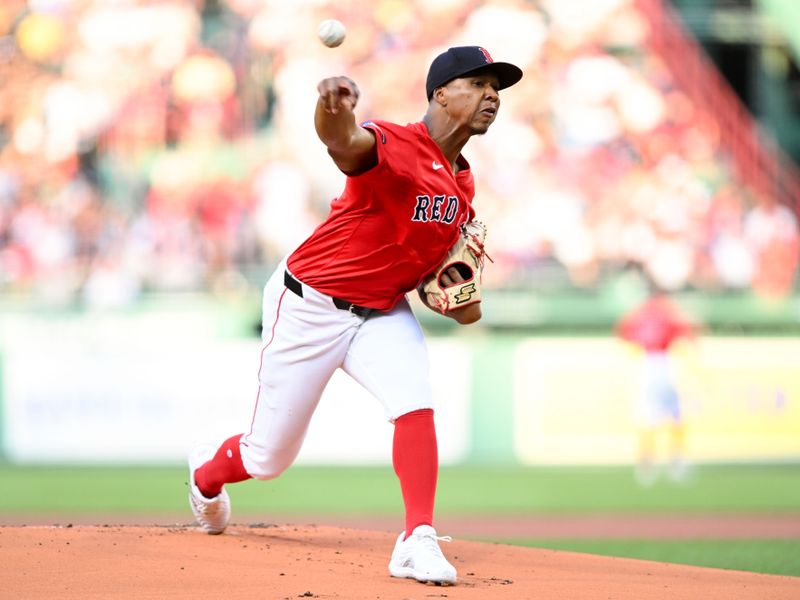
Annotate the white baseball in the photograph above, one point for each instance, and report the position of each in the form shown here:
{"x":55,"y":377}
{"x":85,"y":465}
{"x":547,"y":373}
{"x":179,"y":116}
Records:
{"x":331,"y":32}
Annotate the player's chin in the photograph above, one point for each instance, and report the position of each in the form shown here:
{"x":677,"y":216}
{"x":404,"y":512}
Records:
{"x":481,"y":127}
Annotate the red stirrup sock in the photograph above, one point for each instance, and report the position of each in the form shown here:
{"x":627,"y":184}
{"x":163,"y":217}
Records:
{"x":416,"y":461}
{"x":225,"y":467}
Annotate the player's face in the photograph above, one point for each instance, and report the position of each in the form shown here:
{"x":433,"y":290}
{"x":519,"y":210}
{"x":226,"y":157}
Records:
{"x":474,"y":101}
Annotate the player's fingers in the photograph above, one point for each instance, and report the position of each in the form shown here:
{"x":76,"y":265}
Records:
{"x":347,"y":101}
{"x":450,"y":277}
{"x":328,"y":93}
{"x":335,"y":92}
{"x":454,"y":275}
{"x":352,"y":88}
{"x":347,"y":93}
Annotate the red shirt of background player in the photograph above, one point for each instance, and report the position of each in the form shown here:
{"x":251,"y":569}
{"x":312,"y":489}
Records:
{"x":392,"y":224}
{"x":654,"y":325}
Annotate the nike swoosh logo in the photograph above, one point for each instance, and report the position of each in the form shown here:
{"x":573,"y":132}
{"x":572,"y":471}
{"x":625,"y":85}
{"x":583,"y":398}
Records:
{"x":436,"y":166}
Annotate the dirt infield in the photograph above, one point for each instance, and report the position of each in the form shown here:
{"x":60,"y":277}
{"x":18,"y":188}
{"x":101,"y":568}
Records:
{"x":662,"y":527}
{"x":287,"y":562}
{"x":491,"y":527}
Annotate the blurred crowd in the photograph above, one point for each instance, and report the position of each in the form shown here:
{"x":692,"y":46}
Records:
{"x":168,"y":146}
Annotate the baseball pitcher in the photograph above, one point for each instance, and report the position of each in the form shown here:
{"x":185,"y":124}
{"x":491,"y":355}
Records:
{"x":403,"y":223}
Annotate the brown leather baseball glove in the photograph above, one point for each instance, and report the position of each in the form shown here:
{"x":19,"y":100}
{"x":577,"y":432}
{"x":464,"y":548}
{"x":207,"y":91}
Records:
{"x":438,"y":291}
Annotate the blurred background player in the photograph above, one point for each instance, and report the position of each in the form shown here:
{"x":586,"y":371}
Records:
{"x":654,"y":327}
{"x":338,"y":300}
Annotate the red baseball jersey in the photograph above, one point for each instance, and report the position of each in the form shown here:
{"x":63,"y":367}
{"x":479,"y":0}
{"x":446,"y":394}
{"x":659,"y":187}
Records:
{"x":655,"y":325}
{"x":392,"y":225}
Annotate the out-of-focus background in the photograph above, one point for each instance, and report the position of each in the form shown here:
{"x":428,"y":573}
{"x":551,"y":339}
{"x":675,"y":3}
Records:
{"x":158,"y":158}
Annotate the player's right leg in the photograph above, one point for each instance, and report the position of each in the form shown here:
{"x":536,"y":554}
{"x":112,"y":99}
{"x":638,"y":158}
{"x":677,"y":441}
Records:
{"x":211,"y":509}
{"x":305,"y":340}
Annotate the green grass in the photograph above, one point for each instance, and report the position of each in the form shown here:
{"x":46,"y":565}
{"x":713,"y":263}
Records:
{"x":475,"y":490}
{"x":778,"y":557}
{"x":374,"y":490}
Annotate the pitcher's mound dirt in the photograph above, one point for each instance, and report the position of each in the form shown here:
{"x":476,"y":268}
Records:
{"x":288,"y":562}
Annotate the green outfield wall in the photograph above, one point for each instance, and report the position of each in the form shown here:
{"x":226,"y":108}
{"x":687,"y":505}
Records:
{"x":145,"y":387}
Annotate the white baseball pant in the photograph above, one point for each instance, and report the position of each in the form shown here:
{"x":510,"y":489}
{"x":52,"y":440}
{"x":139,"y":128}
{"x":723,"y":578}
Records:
{"x":658,"y":402}
{"x":305,"y":340}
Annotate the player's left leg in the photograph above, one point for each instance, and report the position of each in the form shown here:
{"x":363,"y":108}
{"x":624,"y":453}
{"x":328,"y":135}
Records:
{"x":678,"y":466}
{"x":673,"y":417}
{"x":388,"y":356}
{"x":650,"y":416}
{"x":646,"y":468}
{"x":415,"y":457}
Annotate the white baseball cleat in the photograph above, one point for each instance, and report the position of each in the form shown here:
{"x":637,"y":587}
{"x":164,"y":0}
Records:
{"x":211,"y":514}
{"x":419,"y":557}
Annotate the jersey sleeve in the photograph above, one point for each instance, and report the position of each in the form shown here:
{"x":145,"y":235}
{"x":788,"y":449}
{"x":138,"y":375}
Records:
{"x":395,"y":148}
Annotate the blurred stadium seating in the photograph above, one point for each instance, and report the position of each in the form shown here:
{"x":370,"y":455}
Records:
{"x":168,"y":147}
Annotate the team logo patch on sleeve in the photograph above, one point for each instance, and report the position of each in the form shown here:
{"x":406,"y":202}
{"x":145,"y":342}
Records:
{"x":375,"y":126}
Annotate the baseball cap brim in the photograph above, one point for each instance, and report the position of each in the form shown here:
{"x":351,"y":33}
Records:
{"x":507,"y":74}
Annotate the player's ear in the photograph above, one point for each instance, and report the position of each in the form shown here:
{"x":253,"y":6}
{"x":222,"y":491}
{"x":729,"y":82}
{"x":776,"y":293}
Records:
{"x":440,"y":95}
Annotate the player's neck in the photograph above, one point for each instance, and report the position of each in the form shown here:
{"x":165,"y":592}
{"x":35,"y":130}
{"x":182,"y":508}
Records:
{"x":450,"y":137}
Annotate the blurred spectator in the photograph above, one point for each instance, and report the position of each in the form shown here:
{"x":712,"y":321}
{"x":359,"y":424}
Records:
{"x":772,"y":235}
{"x":148,"y":140}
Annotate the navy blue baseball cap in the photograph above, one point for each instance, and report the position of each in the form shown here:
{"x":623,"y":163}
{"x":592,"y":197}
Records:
{"x":461,"y":61}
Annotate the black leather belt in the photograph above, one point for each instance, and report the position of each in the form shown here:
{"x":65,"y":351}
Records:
{"x":295,"y":286}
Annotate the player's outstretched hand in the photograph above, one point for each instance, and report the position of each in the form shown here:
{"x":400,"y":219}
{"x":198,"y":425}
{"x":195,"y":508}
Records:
{"x":337,"y":93}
